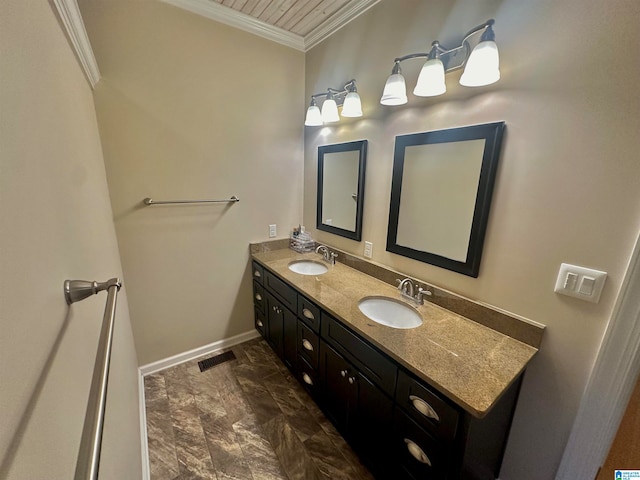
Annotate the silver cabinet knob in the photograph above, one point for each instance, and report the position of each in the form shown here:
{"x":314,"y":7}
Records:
{"x":307,"y":345}
{"x":259,"y":323}
{"x":258,"y":297}
{"x":423,"y":407}
{"x":352,"y":380}
{"x":308,"y":314}
{"x":256,"y":273}
{"x":416,"y":452}
{"x":343,"y":373}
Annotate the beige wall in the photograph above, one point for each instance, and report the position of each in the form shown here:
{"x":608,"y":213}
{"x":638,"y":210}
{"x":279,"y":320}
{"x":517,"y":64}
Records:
{"x":567,"y":186}
{"x":55,"y":223}
{"x":189,"y":108}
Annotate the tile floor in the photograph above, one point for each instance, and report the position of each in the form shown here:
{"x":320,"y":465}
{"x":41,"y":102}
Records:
{"x":243,"y":419}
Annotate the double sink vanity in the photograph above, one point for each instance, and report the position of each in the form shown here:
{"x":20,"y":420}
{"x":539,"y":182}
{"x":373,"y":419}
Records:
{"x":418,"y":390}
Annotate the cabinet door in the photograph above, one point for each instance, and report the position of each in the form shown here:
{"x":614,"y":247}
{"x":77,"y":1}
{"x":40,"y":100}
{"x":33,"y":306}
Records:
{"x":289,"y":340}
{"x":337,"y":396}
{"x":275,"y":324}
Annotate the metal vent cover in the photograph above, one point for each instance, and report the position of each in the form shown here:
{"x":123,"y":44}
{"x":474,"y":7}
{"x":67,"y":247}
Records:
{"x":208,"y":363}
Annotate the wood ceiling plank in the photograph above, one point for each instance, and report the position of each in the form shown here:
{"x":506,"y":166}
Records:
{"x":259,"y":8}
{"x":296,"y":13}
{"x":276,"y":10}
{"x":318,"y":15}
{"x":249,"y":6}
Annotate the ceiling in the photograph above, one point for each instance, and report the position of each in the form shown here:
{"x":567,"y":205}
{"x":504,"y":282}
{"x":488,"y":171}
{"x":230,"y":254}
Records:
{"x":295,"y":16}
{"x":299,"y":24}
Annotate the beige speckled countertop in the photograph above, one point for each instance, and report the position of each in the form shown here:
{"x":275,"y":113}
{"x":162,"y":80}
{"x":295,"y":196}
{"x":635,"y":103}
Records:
{"x":468,"y":362}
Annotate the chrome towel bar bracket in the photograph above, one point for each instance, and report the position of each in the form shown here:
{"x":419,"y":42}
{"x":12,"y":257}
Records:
{"x":151,"y":201}
{"x":76,"y":290}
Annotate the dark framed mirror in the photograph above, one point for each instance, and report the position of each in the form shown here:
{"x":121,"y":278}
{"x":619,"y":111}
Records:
{"x":341,"y":169}
{"x":441,"y":193}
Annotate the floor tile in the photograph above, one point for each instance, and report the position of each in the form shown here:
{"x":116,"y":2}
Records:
{"x":244,"y":419}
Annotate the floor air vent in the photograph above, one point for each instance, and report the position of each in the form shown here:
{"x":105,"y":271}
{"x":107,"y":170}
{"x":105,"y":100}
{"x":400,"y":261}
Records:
{"x":217,"y":360}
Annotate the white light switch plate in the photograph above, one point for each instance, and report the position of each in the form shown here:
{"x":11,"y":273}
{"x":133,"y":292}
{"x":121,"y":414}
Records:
{"x":580,"y":282}
{"x":272,"y":231}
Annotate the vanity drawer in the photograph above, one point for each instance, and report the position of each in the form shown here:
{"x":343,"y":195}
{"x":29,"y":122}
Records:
{"x":426,"y":407}
{"x":370,"y":361}
{"x":309,"y":313}
{"x":257,"y":272}
{"x":286,"y":294}
{"x":308,"y":345}
{"x":421,"y":456}
{"x":308,"y":376}
{"x":258,"y":296}
{"x":260,"y":322}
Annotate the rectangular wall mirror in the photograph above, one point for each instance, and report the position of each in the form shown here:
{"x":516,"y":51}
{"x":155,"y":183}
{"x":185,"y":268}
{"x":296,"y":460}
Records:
{"x":441,"y":193}
{"x":340,"y":202}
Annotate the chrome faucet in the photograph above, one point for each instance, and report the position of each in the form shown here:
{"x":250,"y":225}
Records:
{"x":327,"y":255}
{"x":407,"y":289}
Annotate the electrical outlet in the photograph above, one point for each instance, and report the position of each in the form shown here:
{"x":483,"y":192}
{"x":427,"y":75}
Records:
{"x":272,"y":231}
{"x":368,"y":249}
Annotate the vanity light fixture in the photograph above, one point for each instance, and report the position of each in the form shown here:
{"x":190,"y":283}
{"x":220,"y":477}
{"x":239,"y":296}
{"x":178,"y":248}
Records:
{"x":347,"y":98}
{"x":481,"y":67}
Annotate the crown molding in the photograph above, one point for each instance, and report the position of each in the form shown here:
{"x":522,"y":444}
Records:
{"x":328,"y":28}
{"x":233,"y":18}
{"x":71,"y":18}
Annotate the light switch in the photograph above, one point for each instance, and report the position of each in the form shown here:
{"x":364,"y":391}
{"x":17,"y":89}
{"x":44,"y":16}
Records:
{"x":586,"y":287}
{"x":580,"y":282}
{"x":570,"y":281}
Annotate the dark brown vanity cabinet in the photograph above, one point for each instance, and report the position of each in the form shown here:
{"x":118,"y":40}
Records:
{"x":401,"y":427}
{"x":274,"y":304}
{"x":359,"y":409}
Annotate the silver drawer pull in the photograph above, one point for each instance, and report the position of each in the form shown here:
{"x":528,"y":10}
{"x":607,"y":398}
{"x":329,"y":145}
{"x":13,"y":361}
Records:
{"x":308,"y":313}
{"x":423,"y":407}
{"x":417,"y":453}
{"x":259,"y":323}
{"x":256,"y":273}
{"x":307,"y":345}
{"x":307,"y":379}
{"x":258,"y":297}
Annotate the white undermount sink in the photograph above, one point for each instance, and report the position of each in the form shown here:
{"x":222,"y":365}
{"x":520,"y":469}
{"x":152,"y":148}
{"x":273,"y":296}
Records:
{"x":308,"y":267}
{"x":390,"y":312}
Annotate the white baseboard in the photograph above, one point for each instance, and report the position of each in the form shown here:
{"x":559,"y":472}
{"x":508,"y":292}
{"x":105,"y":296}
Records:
{"x":171,"y":362}
{"x":146,"y":470}
{"x":196,"y":352}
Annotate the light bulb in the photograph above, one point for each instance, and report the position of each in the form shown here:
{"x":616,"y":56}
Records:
{"x":395,"y":90}
{"x":352,"y":106}
{"x":330,"y":110}
{"x":483,"y":66}
{"x":314,"y":117}
{"x":431,"y":79}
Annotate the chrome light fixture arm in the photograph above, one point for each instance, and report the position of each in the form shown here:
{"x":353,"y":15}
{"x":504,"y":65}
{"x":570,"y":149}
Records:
{"x":481,"y":67}
{"x":446,"y":54}
{"x":347,"y":98}
{"x":338,"y":95}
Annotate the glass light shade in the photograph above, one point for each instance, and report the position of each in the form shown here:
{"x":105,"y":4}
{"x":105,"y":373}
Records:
{"x":314,"y":117}
{"x":352,"y":106}
{"x":330,"y":111}
{"x":431,"y":79}
{"x":395,"y":90}
{"x":483,"y":66}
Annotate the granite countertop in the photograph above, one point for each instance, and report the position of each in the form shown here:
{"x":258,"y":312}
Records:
{"x":471,"y":364}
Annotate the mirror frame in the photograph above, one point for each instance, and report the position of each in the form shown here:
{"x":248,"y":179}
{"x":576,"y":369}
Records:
{"x":356,"y":146}
{"x":492,"y":134}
